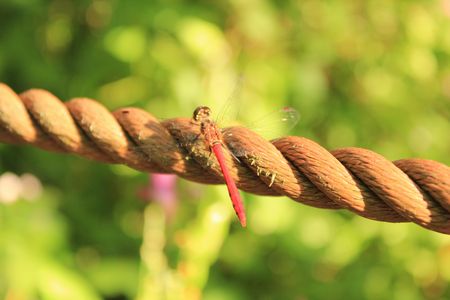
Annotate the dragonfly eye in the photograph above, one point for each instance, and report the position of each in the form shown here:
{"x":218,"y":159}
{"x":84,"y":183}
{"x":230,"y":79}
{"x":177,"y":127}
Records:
{"x":201,"y":113}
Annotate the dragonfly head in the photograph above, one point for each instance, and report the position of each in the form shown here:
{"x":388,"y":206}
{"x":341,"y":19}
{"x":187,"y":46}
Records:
{"x":201,"y":113}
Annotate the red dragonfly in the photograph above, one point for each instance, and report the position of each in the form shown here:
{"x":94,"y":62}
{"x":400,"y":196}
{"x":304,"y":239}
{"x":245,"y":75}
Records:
{"x":213,"y":137}
{"x":214,"y":141}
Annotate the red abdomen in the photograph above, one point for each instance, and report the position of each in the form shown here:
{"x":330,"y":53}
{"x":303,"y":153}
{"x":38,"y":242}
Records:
{"x":231,"y":185}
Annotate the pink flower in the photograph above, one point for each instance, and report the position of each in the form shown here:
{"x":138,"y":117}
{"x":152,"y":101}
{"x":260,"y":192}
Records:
{"x":161,"y":189}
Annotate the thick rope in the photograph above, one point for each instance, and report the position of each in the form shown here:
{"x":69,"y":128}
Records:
{"x":364,"y":182}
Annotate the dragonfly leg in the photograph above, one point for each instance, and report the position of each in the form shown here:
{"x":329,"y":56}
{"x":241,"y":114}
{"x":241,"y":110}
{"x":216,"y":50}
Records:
{"x":208,"y":162}
{"x":231,"y":152}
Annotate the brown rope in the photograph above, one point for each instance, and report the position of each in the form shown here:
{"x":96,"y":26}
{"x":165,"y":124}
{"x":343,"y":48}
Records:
{"x":359,"y":180}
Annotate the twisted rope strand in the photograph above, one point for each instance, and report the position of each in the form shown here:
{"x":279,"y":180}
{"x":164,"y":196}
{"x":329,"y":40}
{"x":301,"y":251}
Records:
{"x":359,"y":180}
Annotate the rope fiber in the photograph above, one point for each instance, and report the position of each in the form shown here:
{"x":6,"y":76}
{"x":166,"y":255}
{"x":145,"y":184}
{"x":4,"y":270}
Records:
{"x":359,"y":180}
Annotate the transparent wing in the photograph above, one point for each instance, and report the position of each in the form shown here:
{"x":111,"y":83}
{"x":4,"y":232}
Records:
{"x":270,"y":126}
{"x":231,"y":109}
{"x":276,"y":123}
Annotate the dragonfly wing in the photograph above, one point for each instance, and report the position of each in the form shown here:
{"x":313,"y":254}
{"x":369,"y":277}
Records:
{"x":270,"y":126}
{"x":231,"y":108}
{"x":275,"y":123}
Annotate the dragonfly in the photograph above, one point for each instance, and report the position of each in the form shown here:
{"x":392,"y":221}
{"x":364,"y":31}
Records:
{"x":214,"y":140}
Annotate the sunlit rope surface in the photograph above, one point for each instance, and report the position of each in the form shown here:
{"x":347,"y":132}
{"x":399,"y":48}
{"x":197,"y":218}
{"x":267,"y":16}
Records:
{"x":359,"y":180}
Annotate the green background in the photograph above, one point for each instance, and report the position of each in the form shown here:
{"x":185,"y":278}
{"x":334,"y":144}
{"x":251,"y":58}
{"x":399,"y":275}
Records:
{"x":373,"y":74}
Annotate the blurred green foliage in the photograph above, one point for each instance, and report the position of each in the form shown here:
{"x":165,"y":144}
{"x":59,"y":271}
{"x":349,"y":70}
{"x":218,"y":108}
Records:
{"x":372,"y":74}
